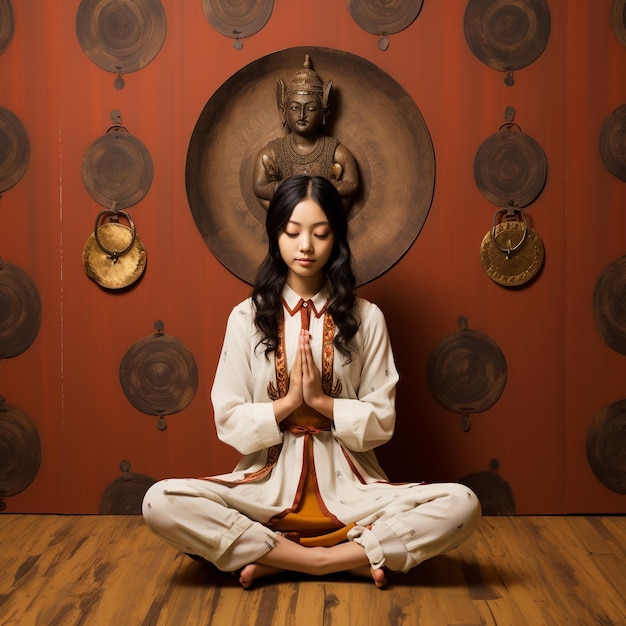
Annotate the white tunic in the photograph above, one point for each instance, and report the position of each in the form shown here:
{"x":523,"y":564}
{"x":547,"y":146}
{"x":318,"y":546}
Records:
{"x":364,"y":414}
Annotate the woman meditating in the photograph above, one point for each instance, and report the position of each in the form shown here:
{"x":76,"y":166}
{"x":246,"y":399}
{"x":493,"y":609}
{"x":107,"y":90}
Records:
{"x":305,"y":390}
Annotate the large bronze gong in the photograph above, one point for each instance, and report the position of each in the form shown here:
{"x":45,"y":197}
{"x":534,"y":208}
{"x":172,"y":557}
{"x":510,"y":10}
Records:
{"x":618,"y":20}
{"x":606,"y":446}
{"x":374,"y":117}
{"x":20,"y":310}
{"x":20,"y":451}
{"x":121,"y":36}
{"x":466,"y":372}
{"x":609,"y":305}
{"x":494,"y":493}
{"x":158,"y":375}
{"x":14,"y":149}
{"x":507,"y":35}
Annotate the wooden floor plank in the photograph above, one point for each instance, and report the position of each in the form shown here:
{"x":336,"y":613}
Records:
{"x":101,"y":570}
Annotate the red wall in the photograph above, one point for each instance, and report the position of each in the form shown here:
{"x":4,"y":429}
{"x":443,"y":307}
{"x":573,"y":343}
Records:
{"x":560,"y":373}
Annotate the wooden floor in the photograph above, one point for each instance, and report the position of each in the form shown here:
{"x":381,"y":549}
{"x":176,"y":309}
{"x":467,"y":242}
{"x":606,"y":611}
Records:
{"x":110,"y":570}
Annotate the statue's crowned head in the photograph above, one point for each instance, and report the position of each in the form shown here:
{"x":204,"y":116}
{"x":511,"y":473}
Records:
{"x":304,"y":82}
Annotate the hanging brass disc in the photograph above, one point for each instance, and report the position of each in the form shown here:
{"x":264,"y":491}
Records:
{"x":238,"y":19}
{"x":117,"y":169}
{"x":613,"y":143}
{"x":14,"y":149}
{"x":159,"y":375}
{"x":388,"y":138}
{"x":510,"y":167}
{"x":609,"y":305}
{"x":7,"y":25}
{"x":111,"y":271}
{"x":519,"y":266}
{"x":387,"y":17}
{"x":124,"y":495}
{"x":466,"y":372}
{"x":618,"y":20}
{"x":20,"y":310}
{"x":507,"y":35}
{"x":121,"y":36}
{"x":606,"y":446}
{"x":20,"y":450}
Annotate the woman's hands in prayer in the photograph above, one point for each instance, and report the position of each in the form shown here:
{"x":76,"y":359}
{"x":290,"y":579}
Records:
{"x":305,"y":384}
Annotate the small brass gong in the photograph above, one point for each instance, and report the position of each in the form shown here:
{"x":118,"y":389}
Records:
{"x":511,"y":252}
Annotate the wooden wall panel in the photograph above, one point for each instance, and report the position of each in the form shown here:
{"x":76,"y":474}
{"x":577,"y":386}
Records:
{"x":559,"y":371}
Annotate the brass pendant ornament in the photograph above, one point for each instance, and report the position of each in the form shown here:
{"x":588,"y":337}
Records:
{"x":511,"y":252}
{"x":114,"y":256}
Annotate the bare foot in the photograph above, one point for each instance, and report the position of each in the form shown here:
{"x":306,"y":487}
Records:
{"x":378,"y":575}
{"x":254,"y":571}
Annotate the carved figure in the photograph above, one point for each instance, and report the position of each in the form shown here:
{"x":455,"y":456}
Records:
{"x":305,"y":104}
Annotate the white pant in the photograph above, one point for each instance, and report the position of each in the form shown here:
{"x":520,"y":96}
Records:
{"x":196,"y":517}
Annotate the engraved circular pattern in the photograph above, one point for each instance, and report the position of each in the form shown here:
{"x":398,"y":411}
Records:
{"x":520,"y":266}
{"x":507,"y":34}
{"x":121,"y":36}
{"x":159,"y":375}
{"x":384,"y":16}
{"x":613,"y":143}
{"x":14,"y":149}
{"x":7,"y":24}
{"x":109,"y":273}
{"x":510,"y":167}
{"x":606,"y":446}
{"x":467,"y":372}
{"x":124,"y":495}
{"x":388,"y":139}
{"x":238,"y":18}
{"x":20,"y":310}
{"x":609,"y":305}
{"x":20,"y":451}
{"x":117,"y":168}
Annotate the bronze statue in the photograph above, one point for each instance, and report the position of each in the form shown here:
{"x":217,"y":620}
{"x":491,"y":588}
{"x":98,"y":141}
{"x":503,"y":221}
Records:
{"x":304,"y":104}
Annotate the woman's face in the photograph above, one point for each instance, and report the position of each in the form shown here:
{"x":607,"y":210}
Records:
{"x":306,"y":243}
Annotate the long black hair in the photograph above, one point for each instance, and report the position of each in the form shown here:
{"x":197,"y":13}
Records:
{"x":272,"y":273}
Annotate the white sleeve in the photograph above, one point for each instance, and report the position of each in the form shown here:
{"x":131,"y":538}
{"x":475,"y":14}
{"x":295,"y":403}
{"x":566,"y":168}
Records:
{"x":242,"y":423}
{"x":368,"y":421}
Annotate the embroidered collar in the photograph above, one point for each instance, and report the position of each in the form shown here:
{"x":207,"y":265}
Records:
{"x":292,"y":301}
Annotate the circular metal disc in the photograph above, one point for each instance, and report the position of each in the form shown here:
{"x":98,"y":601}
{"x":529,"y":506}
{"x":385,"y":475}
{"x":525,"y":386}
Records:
{"x":609,"y":305}
{"x":20,"y":310}
{"x":20,"y":450}
{"x":110,"y":273}
{"x":7,"y":24}
{"x":606,"y":446}
{"x":238,"y":18}
{"x":121,"y":36}
{"x":510,"y":167}
{"x":467,"y":372}
{"x":520,"y":266}
{"x":159,"y":375}
{"x":493,"y":492}
{"x":14,"y":149}
{"x":374,"y":118}
{"x":613,"y":143}
{"x":507,"y":34}
{"x":124,"y":495}
{"x":618,"y":20}
{"x":388,"y":17}
{"x":117,"y":168}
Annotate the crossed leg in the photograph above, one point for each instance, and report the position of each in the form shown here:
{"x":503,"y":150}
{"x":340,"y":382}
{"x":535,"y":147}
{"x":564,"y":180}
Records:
{"x":289,"y":556}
